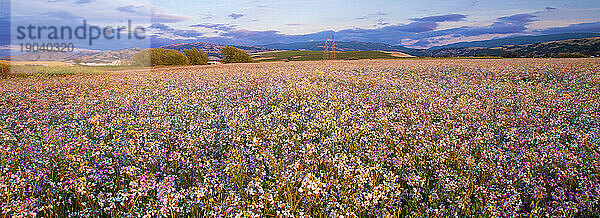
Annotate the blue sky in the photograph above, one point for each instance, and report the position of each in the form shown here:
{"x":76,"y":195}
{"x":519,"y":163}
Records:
{"x":412,"y":23}
{"x":418,"y":24}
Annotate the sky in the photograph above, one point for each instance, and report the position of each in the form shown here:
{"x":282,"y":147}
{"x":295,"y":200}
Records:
{"x":416,"y":24}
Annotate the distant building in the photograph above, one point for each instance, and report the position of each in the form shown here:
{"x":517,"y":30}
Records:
{"x":212,"y":60}
{"x":114,"y":63}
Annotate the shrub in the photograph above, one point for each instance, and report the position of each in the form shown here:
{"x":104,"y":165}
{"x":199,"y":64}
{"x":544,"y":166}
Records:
{"x":77,"y":60}
{"x":235,"y":55}
{"x":571,"y":55}
{"x":196,"y":57}
{"x":159,"y":57}
{"x":4,"y":69}
{"x":511,"y":55}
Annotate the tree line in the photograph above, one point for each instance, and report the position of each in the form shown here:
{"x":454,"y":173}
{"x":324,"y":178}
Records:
{"x":193,"y":56}
{"x":532,"y":55}
{"x":4,"y":69}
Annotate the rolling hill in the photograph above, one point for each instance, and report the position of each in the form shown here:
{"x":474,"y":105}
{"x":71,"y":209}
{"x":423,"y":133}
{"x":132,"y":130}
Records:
{"x":48,"y":56}
{"x":88,"y":56}
{"x":543,"y":45}
{"x":519,"y":40}
{"x":588,"y":46}
{"x":318,"y":55}
{"x":122,"y":54}
{"x":346,"y":46}
{"x":214,"y":49}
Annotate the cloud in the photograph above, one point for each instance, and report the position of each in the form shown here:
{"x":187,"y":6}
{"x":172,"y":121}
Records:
{"x":574,"y":28}
{"x":378,"y":16}
{"x":420,"y":28}
{"x":416,"y":27}
{"x":222,"y":27}
{"x":141,"y":10}
{"x":428,"y":23}
{"x":235,"y":16}
{"x":81,"y":2}
{"x":187,"y":33}
{"x":421,"y":32}
{"x":373,"y":15}
{"x":504,"y":25}
{"x":162,"y":29}
{"x":167,"y":18}
{"x":518,"y":19}
{"x":442,"y":18}
{"x":160,"y":26}
{"x":258,"y":37}
{"x":382,"y":22}
{"x":295,"y":24}
{"x":62,"y":15}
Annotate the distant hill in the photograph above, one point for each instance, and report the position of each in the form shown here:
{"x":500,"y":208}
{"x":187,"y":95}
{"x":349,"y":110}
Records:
{"x":537,"y":49}
{"x":588,"y":46}
{"x":47,"y":56}
{"x":346,"y":46}
{"x":318,"y":55}
{"x":87,"y":56}
{"x":123,"y":54}
{"x":518,"y":40}
{"x":341,"y":46}
{"x":214,"y":49}
{"x":110,"y":56}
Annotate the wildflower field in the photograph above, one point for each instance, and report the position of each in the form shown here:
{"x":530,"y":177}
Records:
{"x":396,"y":138}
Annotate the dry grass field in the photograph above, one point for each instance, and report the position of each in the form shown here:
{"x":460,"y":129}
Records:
{"x":505,"y":138}
{"x":37,"y":63}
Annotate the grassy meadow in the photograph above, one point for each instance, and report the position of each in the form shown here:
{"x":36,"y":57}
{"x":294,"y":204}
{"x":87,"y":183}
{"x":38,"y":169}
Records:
{"x":379,"y":138}
{"x":318,"y":55}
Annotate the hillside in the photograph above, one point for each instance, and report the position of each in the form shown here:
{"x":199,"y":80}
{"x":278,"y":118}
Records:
{"x":110,"y":56}
{"x":519,"y":40}
{"x":588,"y":46}
{"x":213,"y":49}
{"x":48,"y":56}
{"x":318,"y":55}
{"x":346,"y":46}
{"x":88,"y":56}
{"x":544,"y":45}
{"x":123,"y":54}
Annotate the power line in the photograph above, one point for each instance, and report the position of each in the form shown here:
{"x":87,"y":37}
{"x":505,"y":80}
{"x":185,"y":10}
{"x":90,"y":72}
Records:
{"x":327,"y":46}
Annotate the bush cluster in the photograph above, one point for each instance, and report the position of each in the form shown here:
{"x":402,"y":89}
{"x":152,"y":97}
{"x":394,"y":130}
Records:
{"x":159,"y":57}
{"x":235,"y":55}
{"x":4,"y":69}
{"x":196,"y":57}
{"x":193,"y":56}
{"x":511,"y":55}
{"x":571,"y":55}
{"x":167,"y":57}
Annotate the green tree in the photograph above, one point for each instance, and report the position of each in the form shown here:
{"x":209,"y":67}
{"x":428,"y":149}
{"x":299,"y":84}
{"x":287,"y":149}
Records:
{"x":511,"y":55}
{"x":235,"y":55}
{"x":159,"y":57}
{"x":571,"y":55}
{"x":77,"y":61}
{"x":196,"y":57}
{"x":4,"y":69}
